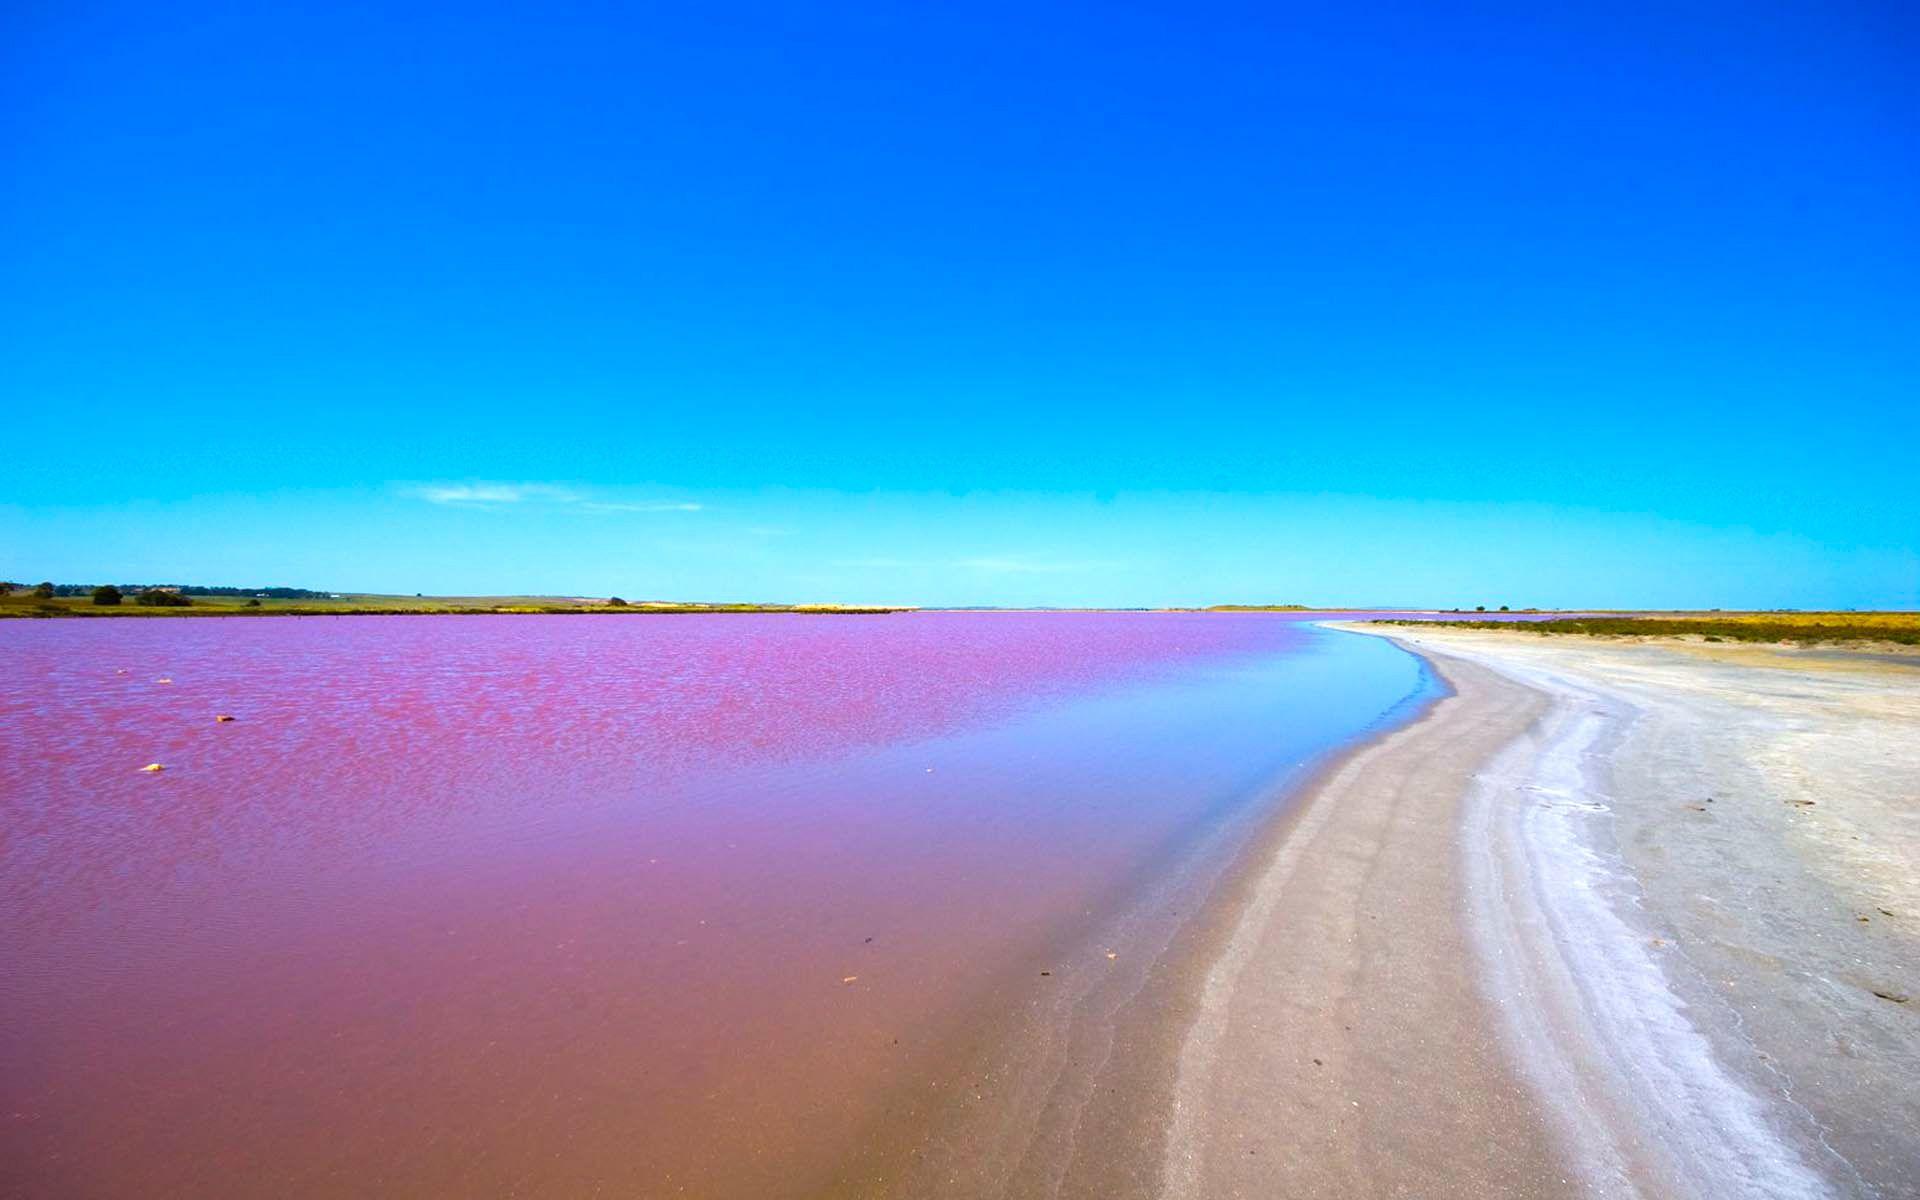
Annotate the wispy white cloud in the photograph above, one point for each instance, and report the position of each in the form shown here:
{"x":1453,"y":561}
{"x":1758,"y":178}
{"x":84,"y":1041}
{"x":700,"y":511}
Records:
{"x":495,"y":495}
{"x":489,"y":493}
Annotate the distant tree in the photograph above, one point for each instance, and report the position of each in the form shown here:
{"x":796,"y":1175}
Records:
{"x":1479,"y":608}
{"x":44,"y":591}
{"x":254,"y":603}
{"x":615,"y":602}
{"x":7,"y":586}
{"x":153,"y":599}
{"x":1503,"y":608}
{"x":106,"y":595}
{"x":271,"y":593}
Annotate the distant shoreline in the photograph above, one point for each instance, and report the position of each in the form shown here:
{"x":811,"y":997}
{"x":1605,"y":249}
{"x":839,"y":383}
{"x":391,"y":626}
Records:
{"x":1797,"y":628}
{"x":64,"y":608}
{"x":1898,"y":631}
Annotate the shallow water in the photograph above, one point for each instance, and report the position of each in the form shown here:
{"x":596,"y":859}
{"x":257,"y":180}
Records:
{"x":475,"y":904}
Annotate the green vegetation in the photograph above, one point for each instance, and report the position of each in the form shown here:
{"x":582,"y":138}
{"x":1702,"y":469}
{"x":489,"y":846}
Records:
{"x":77,"y":600}
{"x":194,"y":589}
{"x":1257,"y":608}
{"x":1802,"y":628}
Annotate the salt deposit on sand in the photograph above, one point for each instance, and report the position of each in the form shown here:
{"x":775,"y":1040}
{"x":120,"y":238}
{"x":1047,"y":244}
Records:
{"x":1690,"y":887}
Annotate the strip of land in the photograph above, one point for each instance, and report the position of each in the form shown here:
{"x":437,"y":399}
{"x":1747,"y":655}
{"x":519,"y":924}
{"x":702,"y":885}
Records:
{"x":29,"y":604}
{"x":1792,"y":628}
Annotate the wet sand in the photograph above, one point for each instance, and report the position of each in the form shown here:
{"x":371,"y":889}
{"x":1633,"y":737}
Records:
{"x":718,"y":906}
{"x":1342,"y":1047}
{"x":1609,"y":920}
{"x":1615,"y":919}
{"x":1312,"y":1029}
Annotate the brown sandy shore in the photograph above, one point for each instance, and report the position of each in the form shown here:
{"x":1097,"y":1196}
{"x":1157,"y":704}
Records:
{"x":1616,"y":919}
{"x":1611,"y":919}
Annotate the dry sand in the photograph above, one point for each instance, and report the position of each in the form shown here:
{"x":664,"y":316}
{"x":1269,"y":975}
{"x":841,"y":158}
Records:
{"x":1613,"y":919}
{"x":1616,"y":919}
{"x":1342,"y":1048}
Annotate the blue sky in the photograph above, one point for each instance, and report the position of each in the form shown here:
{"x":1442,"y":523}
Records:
{"x":1007,"y":304}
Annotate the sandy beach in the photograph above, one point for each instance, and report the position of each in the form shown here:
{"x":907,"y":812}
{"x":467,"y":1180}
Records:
{"x":1609,"y":919}
{"x":1614,"y":919}
{"x":1567,"y":918}
{"x":1340,"y":1047}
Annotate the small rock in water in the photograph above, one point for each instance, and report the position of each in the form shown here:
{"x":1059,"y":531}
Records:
{"x":222,"y":718}
{"x":153,"y":767}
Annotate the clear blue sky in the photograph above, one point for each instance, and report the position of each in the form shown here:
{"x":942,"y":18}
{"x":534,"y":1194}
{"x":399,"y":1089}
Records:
{"x":1022,"y":303}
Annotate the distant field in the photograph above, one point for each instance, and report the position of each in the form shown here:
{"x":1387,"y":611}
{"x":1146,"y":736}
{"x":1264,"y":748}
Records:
{"x":25,"y":604}
{"x":1804,"y":627}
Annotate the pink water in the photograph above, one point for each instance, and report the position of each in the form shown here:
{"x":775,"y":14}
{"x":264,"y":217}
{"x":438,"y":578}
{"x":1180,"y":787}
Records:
{"x":550,"y":905}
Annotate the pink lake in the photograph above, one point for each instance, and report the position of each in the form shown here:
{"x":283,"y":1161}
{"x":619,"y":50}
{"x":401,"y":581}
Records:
{"x":569,"y":905}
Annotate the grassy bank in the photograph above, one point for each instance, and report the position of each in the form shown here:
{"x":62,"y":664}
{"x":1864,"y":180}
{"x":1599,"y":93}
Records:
{"x":1250,"y":608}
{"x":25,"y":604}
{"x":1805,"y":628}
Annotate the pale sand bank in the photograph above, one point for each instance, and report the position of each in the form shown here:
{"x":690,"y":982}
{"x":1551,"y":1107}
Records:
{"x":1575,"y":932}
{"x":1342,"y":1046}
{"x":1615,"y":919}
